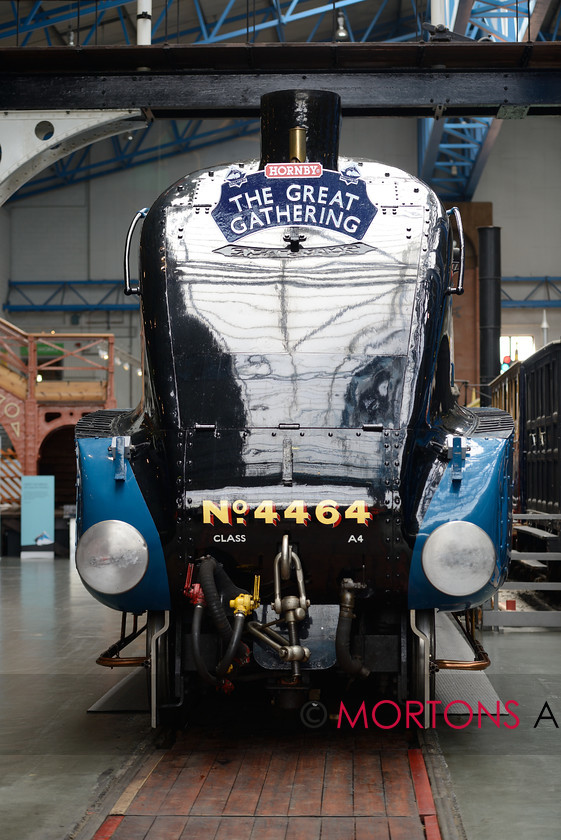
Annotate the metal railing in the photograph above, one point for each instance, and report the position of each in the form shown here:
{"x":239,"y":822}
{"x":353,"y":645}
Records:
{"x":31,"y":362}
{"x":493,"y":616}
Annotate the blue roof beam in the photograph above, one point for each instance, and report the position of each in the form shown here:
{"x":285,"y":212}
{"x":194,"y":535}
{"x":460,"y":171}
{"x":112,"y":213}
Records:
{"x":504,"y":21}
{"x":236,"y":20}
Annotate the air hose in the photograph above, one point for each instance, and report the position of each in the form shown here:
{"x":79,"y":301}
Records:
{"x":227,"y":659}
{"x":351,"y":664}
{"x":213,"y":578}
{"x":224,"y":664}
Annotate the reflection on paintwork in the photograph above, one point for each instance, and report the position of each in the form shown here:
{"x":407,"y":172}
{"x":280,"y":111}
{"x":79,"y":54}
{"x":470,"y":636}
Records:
{"x":313,"y":341}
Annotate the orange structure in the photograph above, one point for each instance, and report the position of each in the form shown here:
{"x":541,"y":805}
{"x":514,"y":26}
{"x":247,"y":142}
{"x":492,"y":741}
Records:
{"x":48,"y":380}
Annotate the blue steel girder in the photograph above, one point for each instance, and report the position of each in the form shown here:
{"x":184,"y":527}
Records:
{"x":45,"y":20}
{"x":236,"y":22}
{"x":507,"y":21}
{"x":531,"y":287}
{"x":78,"y":22}
{"x":67,"y":296}
{"x":453,"y":152}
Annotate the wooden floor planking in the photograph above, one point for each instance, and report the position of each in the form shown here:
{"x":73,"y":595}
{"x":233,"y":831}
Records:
{"x":165,"y":828}
{"x":371,"y":828}
{"x":277,"y":788}
{"x":153,"y":792}
{"x":246,"y":790}
{"x":369,"y":797}
{"x":182,"y":794}
{"x":133,"y":828}
{"x":398,"y":785}
{"x":331,"y":786}
{"x":337,"y":828}
{"x":406,"y":828}
{"x":200,"y":828}
{"x":218,"y":784}
{"x":308,"y":785}
{"x":301,"y":828}
{"x":337,"y":785}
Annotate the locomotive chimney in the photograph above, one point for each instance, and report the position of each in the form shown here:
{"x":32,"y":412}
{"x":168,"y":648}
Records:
{"x":298,"y":124}
{"x":489,"y":308}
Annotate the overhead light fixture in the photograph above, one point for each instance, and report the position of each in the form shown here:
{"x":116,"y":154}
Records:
{"x":341,"y":33}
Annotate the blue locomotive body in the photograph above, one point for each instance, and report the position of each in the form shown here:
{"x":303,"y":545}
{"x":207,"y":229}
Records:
{"x":299,"y":490}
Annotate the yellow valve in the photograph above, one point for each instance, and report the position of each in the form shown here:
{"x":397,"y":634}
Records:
{"x":246,"y":603}
{"x":243,"y":603}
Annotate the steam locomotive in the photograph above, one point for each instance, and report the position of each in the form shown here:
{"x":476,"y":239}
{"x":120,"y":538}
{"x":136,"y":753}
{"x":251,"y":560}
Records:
{"x":298,"y":491}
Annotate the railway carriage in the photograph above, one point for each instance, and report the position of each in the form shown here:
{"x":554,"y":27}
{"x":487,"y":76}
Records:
{"x":530,"y":391}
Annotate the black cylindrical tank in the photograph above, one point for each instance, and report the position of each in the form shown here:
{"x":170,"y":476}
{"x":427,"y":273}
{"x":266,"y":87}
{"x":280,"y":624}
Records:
{"x":317,"y":111}
{"x":489,"y":307}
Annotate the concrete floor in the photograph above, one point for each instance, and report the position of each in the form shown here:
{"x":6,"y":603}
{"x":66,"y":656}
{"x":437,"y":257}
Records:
{"x":59,"y":764}
{"x":508,"y":781}
{"x":56,"y":761}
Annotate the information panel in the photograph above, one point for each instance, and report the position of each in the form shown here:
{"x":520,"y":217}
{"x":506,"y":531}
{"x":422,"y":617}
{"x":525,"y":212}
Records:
{"x":37,"y":516}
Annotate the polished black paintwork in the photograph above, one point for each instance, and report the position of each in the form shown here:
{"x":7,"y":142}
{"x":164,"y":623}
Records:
{"x":231,"y":384}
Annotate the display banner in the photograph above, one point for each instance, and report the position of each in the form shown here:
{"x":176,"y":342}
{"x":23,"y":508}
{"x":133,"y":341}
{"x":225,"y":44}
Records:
{"x":37,"y":516}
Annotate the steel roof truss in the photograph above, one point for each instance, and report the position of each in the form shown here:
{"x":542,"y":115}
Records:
{"x":502,"y":21}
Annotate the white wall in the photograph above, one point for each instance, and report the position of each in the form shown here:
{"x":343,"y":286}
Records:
{"x":78,"y":232}
{"x":523,"y":181}
{"x":38,"y":231}
{"x":392,"y":141}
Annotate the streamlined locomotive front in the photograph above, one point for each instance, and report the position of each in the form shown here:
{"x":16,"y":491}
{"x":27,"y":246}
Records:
{"x":299,"y":451}
{"x":290,"y":354}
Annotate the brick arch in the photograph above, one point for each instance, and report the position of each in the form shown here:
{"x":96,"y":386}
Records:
{"x":28,"y":425}
{"x":55,"y":448}
{"x":56,"y":456}
{"x":51,"y":417}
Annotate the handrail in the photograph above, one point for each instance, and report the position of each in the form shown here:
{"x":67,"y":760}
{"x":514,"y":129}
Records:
{"x":459,"y":289}
{"x":128,"y":288}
